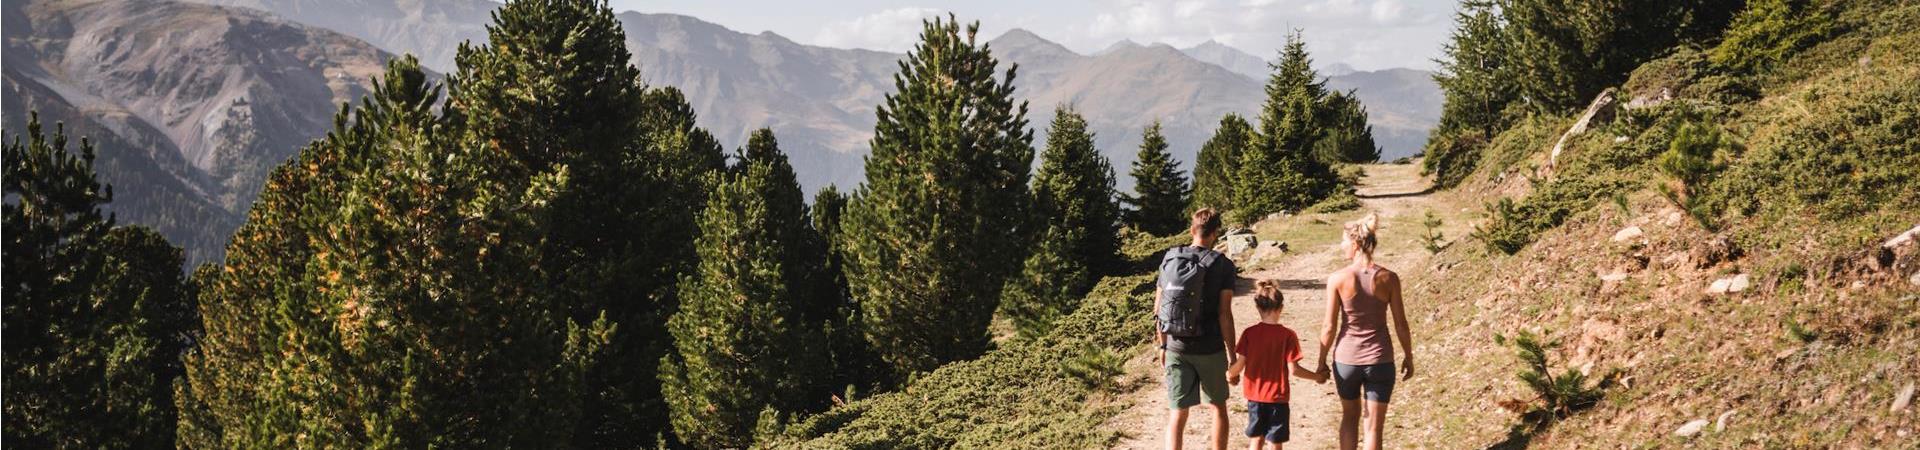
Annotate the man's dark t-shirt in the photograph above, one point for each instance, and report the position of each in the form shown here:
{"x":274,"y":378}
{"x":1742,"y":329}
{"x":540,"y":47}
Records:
{"x":1220,"y":276}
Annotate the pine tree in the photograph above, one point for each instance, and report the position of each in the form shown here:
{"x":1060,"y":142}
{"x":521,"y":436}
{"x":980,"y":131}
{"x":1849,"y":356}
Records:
{"x":1563,"y":53}
{"x":1161,"y":193}
{"x":555,"y":89}
{"x":1346,"y":138}
{"x":854,"y":362}
{"x":1073,"y":195}
{"x":386,"y":292}
{"x":744,"y":341}
{"x":1214,"y":169}
{"x":1279,"y":172}
{"x":96,"y":315}
{"x":941,"y":220}
{"x":1474,"y":75}
{"x":1073,"y":190}
{"x":1050,"y":284}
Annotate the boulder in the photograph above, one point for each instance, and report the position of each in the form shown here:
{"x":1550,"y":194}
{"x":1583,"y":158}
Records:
{"x":1691,"y":429}
{"x":1720,"y":423}
{"x":1628,"y":233}
{"x":1905,"y":398}
{"x":1600,"y":111}
{"x":1239,"y":244}
{"x":1730,"y":285}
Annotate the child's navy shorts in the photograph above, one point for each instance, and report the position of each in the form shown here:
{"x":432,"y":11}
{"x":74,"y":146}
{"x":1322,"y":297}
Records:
{"x":1268,"y":420}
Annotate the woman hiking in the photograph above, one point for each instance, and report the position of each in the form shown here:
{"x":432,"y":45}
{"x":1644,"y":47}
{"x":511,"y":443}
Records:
{"x":1360,"y":299}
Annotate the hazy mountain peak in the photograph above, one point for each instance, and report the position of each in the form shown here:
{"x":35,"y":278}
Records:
{"x":1023,"y":45}
{"x":1124,"y":44}
{"x":1227,"y":56}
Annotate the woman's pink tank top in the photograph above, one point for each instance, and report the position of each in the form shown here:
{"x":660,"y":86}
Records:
{"x":1363,"y":339}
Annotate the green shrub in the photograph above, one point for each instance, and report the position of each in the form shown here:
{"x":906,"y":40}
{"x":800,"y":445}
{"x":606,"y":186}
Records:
{"x":1839,"y":147}
{"x":1557,"y":396}
{"x":1768,"y":32}
{"x":1344,"y":200}
{"x":1690,"y":160}
{"x":1096,"y":368}
{"x":1451,"y":157}
{"x":1512,"y":225}
{"x":1432,"y":240}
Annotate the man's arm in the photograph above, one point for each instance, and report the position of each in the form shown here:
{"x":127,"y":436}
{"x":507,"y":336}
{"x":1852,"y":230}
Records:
{"x":1159,"y":338}
{"x":1226,"y":323}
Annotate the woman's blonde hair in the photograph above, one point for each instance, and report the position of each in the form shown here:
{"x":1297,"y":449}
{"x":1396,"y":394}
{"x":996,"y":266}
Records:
{"x":1266,"y":295}
{"x":1362,"y":231}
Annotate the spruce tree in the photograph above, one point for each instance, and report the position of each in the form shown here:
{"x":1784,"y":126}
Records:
{"x":1073,"y":190}
{"x":1160,"y":191}
{"x":386,"y":292}
{"x":942,"y":219}
{"x":1346,"y":137}
{"x":96,"y":315}
{"x":1214,"y":168}
{"x":555,"y":89}
{"x":743,"y":339}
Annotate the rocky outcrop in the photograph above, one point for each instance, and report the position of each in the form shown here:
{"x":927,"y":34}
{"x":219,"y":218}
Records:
{"x":1600,"y":111}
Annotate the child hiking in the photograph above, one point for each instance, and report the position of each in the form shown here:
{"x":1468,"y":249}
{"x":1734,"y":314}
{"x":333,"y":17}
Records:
{"x":1268,"y":352}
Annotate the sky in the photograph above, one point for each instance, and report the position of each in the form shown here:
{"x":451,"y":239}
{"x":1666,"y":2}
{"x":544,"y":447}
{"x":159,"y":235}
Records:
{"x":1365,"y":34}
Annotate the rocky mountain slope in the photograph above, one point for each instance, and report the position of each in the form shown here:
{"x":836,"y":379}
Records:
{"x":820,"y":100}
{"x":192,"y":104}
{"x":1402,"y":104}
{"x":429,"y":29}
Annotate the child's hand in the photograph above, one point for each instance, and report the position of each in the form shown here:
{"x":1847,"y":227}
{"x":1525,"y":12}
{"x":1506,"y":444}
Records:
{"x":1233,"y":379}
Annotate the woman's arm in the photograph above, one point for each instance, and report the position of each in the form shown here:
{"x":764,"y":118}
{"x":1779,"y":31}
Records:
{"x":1390,"y":287}
{"x":1332,"y":322}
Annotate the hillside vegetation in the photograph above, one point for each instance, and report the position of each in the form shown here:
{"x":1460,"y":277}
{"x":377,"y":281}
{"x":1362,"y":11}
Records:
{"x":1782,"y":161}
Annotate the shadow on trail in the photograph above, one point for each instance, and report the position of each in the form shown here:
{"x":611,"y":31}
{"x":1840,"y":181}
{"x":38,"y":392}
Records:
{"x":1428,"y":190}
{"x":1245,"y":285}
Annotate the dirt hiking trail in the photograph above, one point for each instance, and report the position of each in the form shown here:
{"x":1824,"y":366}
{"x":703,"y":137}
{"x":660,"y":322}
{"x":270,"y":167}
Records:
{"x":1390,"y":190}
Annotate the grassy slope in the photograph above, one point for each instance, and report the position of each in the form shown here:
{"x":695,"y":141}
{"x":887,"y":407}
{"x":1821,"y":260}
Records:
{"x":1682,"y":354}
{"x":1021,"y":395}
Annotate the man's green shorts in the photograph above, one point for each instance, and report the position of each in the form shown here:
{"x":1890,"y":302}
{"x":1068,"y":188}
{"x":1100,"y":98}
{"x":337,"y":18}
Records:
{"x":1192,"y":378}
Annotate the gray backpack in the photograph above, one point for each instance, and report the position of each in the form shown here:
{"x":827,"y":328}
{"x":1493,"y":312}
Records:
{"x":1183,"y":275}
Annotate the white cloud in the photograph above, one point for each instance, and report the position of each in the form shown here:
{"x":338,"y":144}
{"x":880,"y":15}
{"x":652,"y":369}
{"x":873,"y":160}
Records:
{"x":892,"y":30}
{"x":1364,"y":33}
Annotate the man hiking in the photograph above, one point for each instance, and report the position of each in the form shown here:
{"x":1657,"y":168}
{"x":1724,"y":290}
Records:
{"x":1193,"y":300}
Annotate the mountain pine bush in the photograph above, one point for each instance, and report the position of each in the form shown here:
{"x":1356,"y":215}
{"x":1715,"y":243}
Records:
{"x":96,"y":315}
{"x":1160,"y":191}
{"x":943,"y":217}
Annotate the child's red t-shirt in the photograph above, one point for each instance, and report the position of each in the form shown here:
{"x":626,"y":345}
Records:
{"x":1270,"y":351}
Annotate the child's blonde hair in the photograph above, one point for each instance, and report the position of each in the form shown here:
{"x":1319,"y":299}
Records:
{"x":1266,"y":295}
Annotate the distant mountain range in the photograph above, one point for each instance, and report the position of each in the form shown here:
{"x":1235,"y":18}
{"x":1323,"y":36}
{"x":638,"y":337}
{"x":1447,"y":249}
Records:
{"x":213,"y":97}
{"x":190,"y":105}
